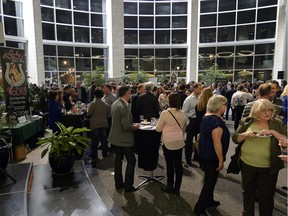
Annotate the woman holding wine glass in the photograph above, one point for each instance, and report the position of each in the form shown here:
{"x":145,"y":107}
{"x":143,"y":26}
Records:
{"x":259,"y":135}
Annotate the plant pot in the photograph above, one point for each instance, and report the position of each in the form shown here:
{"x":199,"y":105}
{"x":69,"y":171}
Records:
{"x":61,"y":165}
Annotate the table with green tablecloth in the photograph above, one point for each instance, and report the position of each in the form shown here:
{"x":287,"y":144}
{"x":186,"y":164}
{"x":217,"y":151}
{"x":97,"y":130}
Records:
{"x":27,"y":132}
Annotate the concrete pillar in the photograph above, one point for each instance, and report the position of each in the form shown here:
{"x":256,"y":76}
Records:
{"x":192,"y":39}
{"x":115,"y":37}
{"x":281,"y":45}
{"x":34,"y":46}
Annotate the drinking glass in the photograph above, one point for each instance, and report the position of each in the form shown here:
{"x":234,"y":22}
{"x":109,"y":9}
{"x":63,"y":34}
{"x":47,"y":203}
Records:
{"x":141,"y":118}
{"x":283,"y":145}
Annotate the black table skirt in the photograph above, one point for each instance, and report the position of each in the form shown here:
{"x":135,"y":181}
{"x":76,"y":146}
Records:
{"x":147,"y":143}
{"x":76,"y":120}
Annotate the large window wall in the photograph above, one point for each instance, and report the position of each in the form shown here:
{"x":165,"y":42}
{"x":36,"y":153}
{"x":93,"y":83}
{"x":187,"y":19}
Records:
{"x":155,"y":34}
{"x":74,"y":34}
{"x":11,"y":14}
{"x":241,"y":34}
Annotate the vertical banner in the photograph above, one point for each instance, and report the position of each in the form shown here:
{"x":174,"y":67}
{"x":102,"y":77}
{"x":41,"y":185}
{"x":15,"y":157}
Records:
{"x":14,"y":79}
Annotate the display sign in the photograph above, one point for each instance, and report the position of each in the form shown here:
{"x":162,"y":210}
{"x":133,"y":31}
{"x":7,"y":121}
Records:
{"x":221,"y":80}
{"x":14,"y":80}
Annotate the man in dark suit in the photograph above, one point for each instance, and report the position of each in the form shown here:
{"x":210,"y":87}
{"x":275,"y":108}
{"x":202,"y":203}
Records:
{"x":66,"y":98}
{"x":134,"y":110}
{"x":148,"y":104}
{"x":122,"y":137}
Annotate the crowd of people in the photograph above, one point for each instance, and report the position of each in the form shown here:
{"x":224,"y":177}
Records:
{"x":192,"y":118}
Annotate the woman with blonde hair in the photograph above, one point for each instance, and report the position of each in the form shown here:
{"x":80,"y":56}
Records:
{"x":284,"y":97}
{"x":201,"y":106}
{"x":259,"y":160}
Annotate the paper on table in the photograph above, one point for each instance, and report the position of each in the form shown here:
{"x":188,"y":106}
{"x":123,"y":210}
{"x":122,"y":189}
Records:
{"x":147,"y":127}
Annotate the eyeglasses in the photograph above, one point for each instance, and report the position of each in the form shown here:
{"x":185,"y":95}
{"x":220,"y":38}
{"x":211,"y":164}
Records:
{"x":267,"y":110}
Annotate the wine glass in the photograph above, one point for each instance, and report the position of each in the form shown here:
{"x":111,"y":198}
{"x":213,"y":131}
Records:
{"x":283,"y":145}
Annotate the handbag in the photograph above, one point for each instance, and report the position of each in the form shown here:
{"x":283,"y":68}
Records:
{"x":233,"y":166}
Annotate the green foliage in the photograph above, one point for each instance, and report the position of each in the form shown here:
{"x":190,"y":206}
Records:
{"x":96,"y":75}
{"x":1,"y":94}
{"x":65,"y":142}
{"x":136,"y":77}
{"x":38,"y":97}
{"x":212,"y":73}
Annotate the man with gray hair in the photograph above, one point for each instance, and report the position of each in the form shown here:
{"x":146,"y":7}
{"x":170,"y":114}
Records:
{"x":147,"y":103}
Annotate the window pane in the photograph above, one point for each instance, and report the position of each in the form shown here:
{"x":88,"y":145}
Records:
{"x":264,"y":48}
{"x":208,"y":20}
{"x":81,"y":18}
{"x":245,"y":50}
{"x":65,"y":51}
{"x":179,"y":36}
{"x":98,"y":53}
{"x":206,"y":57}
{"x":131,"y":53}
{"x":82,"y":52}
{"x":208,"y":6}
{"x":205,"y":63}
{"x":207,"y":35}
{"x":83,"y":64}
{"x":47,"y":2}
{"x":146,"y":22}
{"x":49,"y":50}
{"x":98,"y":20}
{"x":13,"y":26}
{"x":130,"y":37}
{"x":97,"y":36}
{"x":96,"y":6}
{"x":48,"y":31}
{"x":178,"y":63}
{"x":15,"y":44}
{"x":162,"y":64}
{"x":162,"y":8}
{"x":243,"y":75}
{"x":50,"y":63}
{"x":226,"y":34}
{"x":265,"y":61}
{"x":64,"y":33}
{"x":226,"y":5}
{"x":63,"y":4}
{"x":81,"y":34}
{"x":266,"y":2}
{"x":266,"y":30}
{"x":131,"y":64}
{"x":245,"y":62}
{"x":245,"y":32}
{"x":176,"y":53}
{"x":162,"y":53}
{"x":246,"y":16}
{"x":63,"y":16}
{"x":179,"y":8}
{"x":266,"y":14}
{"x":65,"y":64}
{"x":162,"y":22}
{"x":147,"y":64}
{"x":80,"y":5}
{"x":226,"y":19}
{"x":246,"y":4}
{"x":163,"y":37}
{"x":47,"y":14}
{"x":263,"y":75}
{"x":225,"y":57}
{"x":12,"y":8}
{"x":179,"y":22}
{"x":146,"y":8}
{"x":146,"y":53}
{"x":146,"y":37}
{"x":207,"y":52}
{"x":130,"y":8}
{"x":130,"y":22}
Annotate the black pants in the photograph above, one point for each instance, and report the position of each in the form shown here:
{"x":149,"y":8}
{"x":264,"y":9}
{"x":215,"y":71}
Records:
{"x":227,"y":112}
{"x":238,"y":110}
{"x":192,"y":130}
{"x":173,"y":160}
{"x":258,"y":179}
{"x":95,"y":135}
{"x":130,"y":169}
{"x":109,"y":120}
{"x":210,"y":180}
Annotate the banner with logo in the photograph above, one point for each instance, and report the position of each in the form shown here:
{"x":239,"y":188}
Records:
{"x":14,"y":80}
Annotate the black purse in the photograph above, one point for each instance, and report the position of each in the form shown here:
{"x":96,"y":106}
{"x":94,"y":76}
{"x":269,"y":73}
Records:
{"x":233,"y":166}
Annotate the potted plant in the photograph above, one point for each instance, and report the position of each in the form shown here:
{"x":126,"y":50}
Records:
{"x":62,"y":147}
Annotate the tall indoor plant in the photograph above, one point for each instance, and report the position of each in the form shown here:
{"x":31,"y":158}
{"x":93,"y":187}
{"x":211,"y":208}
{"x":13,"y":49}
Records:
{"x":62,"y":147}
